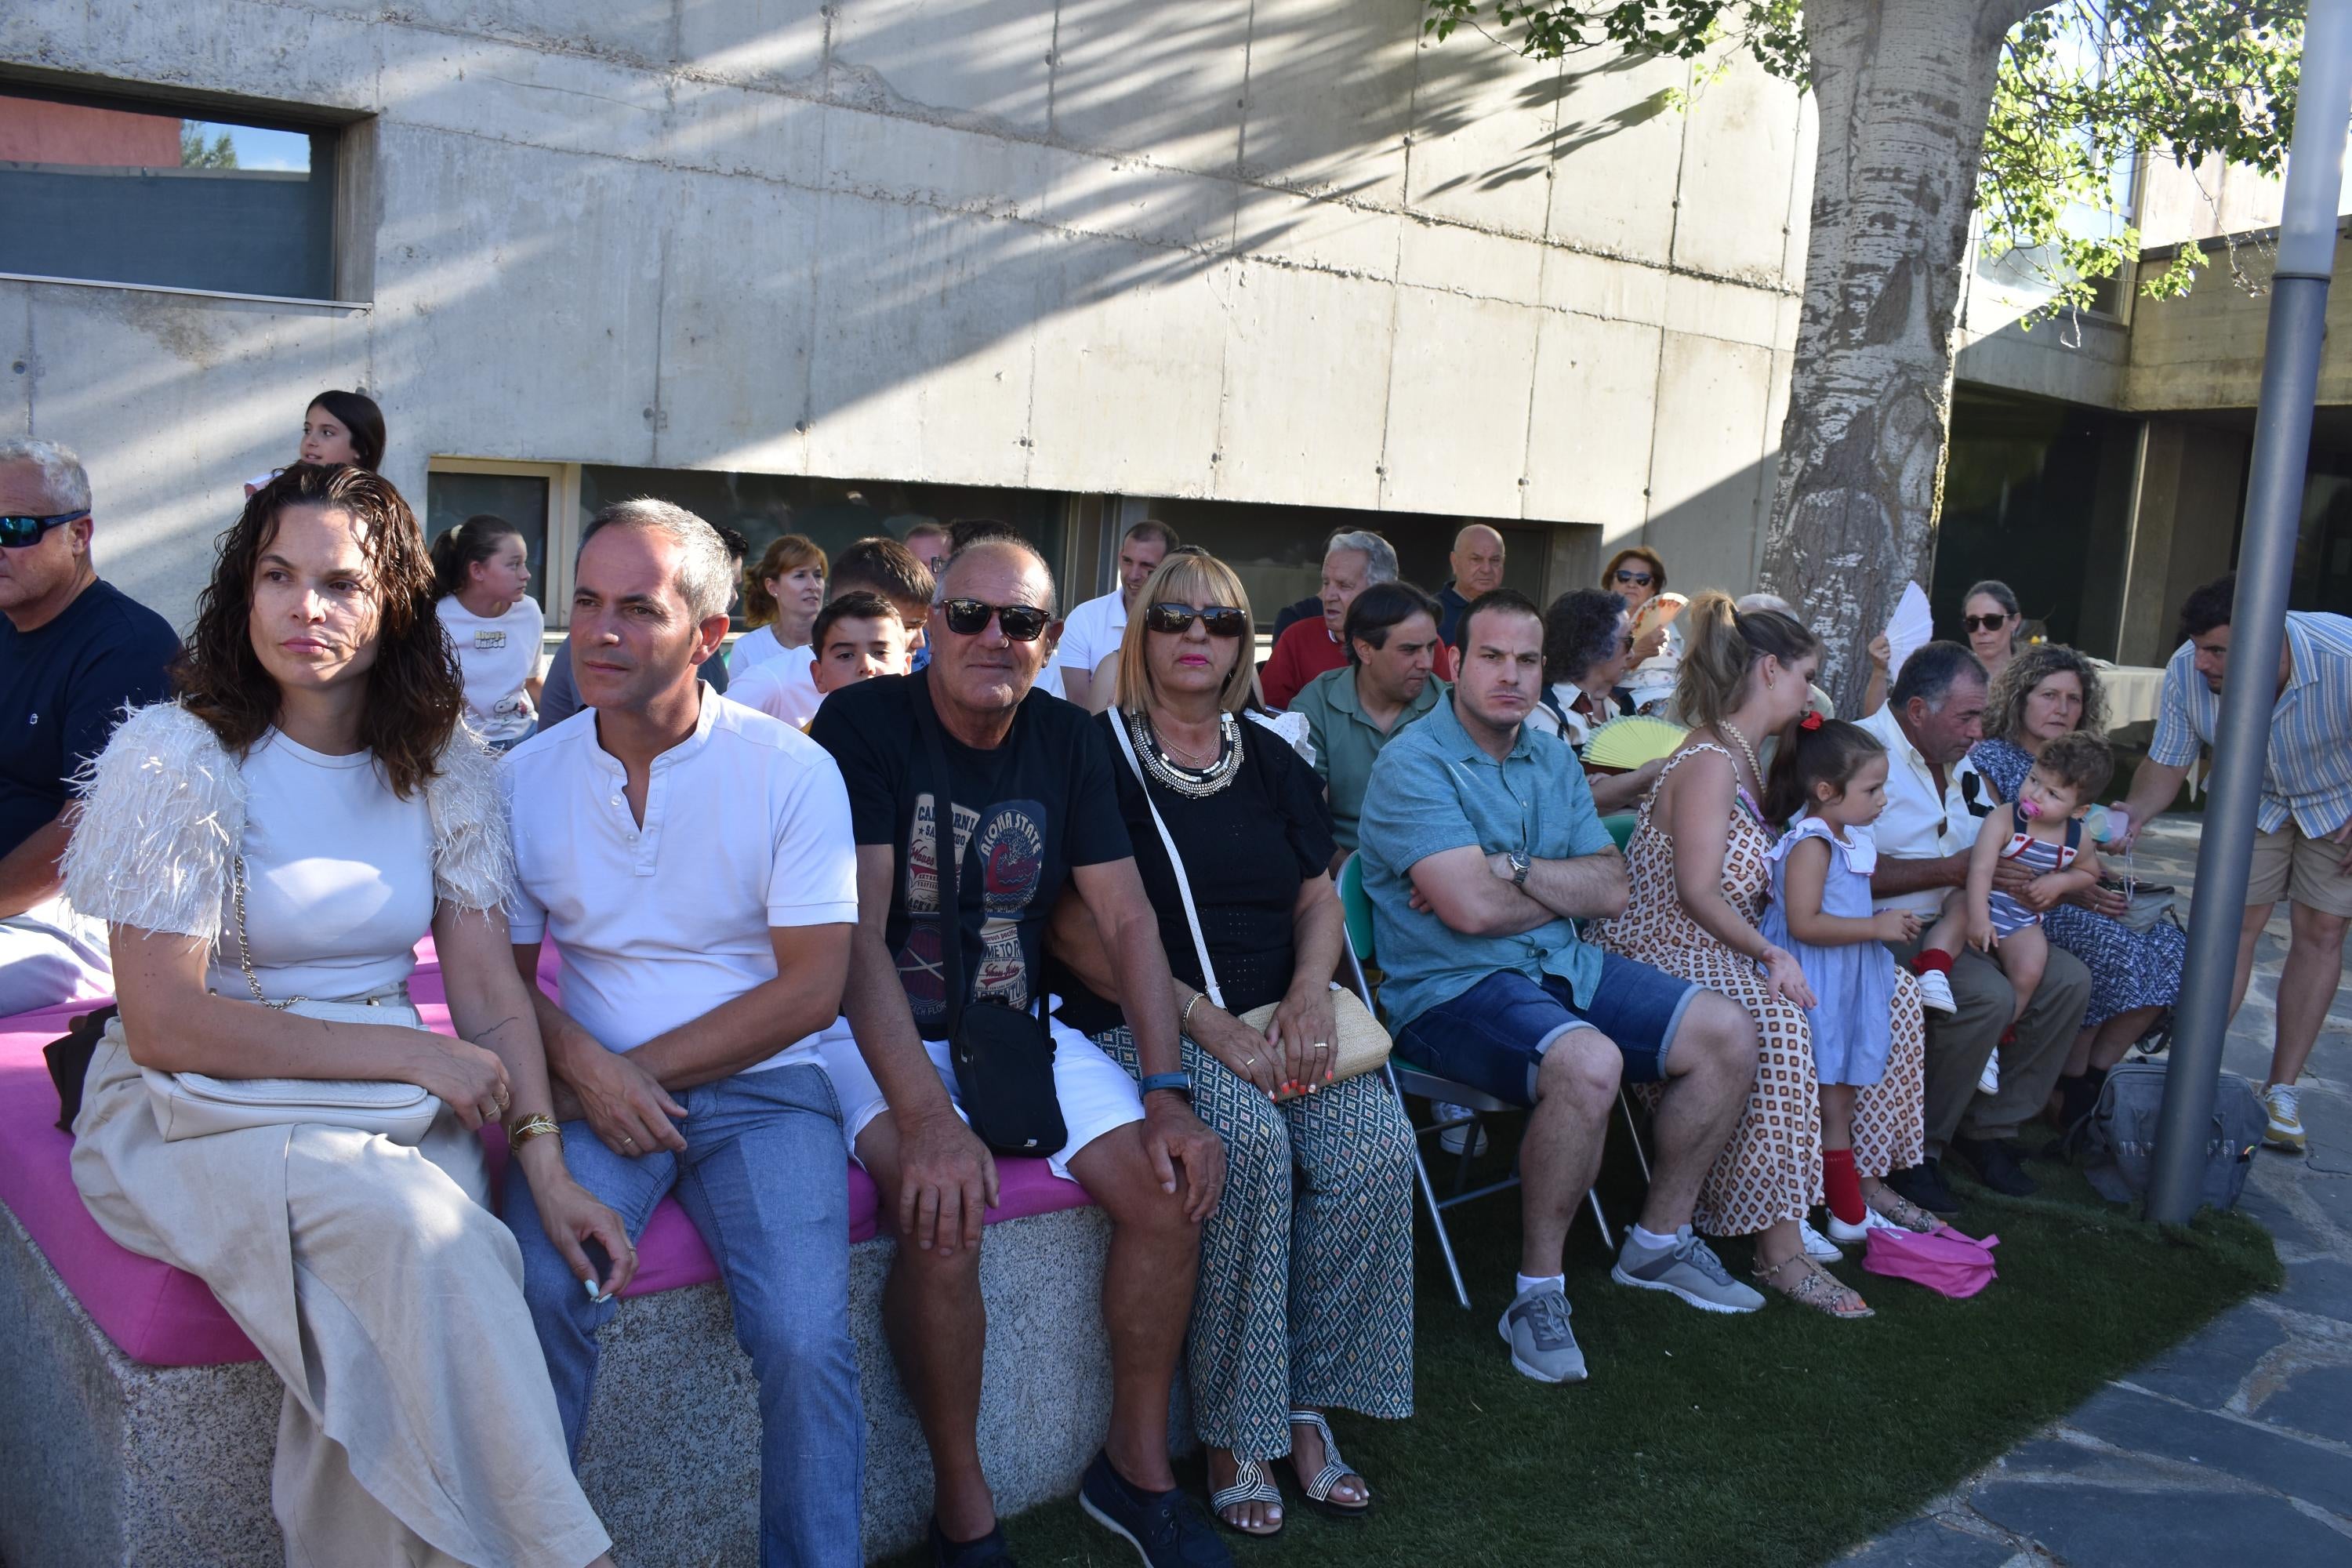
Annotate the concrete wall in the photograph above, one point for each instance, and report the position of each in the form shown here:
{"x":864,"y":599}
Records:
{"x":2205,"y":349}
{"x":1270,"y":250}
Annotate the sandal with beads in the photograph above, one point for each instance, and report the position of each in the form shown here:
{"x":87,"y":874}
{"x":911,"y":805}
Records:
{"x":1896,"y":1209}
{"x":1817,"y":1289}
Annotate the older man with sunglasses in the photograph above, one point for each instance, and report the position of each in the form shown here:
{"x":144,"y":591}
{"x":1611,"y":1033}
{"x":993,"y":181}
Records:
{"x":74,"y":652}
{"x":1031,"y":800}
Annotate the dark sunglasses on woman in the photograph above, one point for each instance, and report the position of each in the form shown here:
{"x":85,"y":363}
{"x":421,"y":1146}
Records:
{"x":1636,"y":579}
{"x":969,"y":617}
{"x":1992,"y":623}
{"x":1221,"y":620}
{"x":17,"y":531}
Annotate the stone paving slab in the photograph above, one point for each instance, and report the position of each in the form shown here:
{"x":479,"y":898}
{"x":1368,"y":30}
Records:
{"x":2235,"y":1445}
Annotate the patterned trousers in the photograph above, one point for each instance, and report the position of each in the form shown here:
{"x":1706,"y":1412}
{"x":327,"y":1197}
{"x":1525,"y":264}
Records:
{"x":1306,"y":1292}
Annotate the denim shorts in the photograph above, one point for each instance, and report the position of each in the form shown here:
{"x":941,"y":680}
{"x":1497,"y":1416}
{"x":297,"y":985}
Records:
{"x":1494,"y":1036}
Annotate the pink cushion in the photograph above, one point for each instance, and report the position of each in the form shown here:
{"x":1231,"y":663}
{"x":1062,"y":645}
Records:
{"x":164,"y":1318}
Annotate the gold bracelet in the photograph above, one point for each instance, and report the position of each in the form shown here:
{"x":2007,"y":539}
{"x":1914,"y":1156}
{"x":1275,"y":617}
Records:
{"x":532,"y":1127}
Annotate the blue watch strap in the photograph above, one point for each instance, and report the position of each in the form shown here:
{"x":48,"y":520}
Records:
{"x":1180,"y":1082}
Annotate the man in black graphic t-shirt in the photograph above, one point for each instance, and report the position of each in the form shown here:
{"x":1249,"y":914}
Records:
{"x":1034,"y":813}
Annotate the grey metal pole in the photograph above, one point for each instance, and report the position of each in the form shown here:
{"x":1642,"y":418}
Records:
{"x":2306,"y":260}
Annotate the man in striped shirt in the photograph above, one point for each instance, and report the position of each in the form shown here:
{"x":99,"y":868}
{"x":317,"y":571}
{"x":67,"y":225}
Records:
{"x":2304,"y":852}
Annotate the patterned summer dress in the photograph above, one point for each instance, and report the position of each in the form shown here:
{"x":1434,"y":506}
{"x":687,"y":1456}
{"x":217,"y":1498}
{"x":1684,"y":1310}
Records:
{"x":1770,"y":1169}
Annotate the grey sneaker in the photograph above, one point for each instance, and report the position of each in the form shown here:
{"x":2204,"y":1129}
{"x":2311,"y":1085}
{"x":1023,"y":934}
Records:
{"x":1689,"y":1270}
{"x":1536,"y":1328}
{"x":1452,"y":1137}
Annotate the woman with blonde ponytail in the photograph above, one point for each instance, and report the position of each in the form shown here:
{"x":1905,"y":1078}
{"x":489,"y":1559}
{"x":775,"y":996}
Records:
{"x":1699,"y":869}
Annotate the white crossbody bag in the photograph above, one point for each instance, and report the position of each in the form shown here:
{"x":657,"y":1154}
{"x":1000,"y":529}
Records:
{"x":1361,"y":1046}
{"x":196,"y":1104}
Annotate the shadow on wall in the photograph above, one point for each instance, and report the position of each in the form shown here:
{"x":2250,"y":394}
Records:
{"x":1716,"y":539}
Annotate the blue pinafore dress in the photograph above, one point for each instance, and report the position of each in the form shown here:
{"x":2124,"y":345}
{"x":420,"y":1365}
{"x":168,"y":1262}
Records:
{"x":1853,"y":986}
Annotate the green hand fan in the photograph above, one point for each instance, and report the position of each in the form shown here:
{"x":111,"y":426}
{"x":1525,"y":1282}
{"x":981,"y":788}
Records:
{"x":1625,"y":744}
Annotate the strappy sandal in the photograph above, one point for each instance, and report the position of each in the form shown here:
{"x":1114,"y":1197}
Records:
{"x":1819,"y":1289}
{"x":1895,"y":1209}
{"x":1317,"y":1493}
{"x":1251,"y":1484}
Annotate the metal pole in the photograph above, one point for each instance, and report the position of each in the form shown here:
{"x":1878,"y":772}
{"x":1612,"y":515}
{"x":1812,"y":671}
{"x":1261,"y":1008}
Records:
{"x":2307,"y":260}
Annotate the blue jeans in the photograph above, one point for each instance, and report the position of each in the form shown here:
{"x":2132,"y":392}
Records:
{"x":764,"y":1180}
{"x":1494,"y":1036}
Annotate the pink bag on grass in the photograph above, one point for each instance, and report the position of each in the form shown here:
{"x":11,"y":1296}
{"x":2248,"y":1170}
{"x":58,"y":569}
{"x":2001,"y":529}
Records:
{"x":1945,"y":1262}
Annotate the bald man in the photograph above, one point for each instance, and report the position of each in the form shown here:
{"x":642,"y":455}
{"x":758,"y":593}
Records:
{"x":1478,"y":563}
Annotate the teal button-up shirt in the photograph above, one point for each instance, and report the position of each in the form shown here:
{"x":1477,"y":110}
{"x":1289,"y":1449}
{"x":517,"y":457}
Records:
{"x":1346,"y":739}
{"x":1433,"y":790}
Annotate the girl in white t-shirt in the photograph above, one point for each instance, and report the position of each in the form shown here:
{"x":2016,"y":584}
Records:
{"x":481,"y":568}
{"x":782,"y":594}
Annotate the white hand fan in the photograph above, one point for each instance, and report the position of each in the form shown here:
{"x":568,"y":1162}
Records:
{"x":1911,"y":629}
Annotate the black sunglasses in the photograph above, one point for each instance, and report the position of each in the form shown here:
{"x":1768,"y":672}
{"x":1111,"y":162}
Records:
{"x":16,"y":532}
{"x":1220,"y":620}
{"x":1985,"y":622}
{"x":1639,"y":579}
{"x":969,"y":617}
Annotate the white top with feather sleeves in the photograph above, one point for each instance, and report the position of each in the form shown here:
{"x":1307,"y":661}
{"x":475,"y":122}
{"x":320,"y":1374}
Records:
{"x":342,"y":875}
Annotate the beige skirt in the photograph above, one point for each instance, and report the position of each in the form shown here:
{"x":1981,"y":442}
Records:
{"x":418,"y":1425}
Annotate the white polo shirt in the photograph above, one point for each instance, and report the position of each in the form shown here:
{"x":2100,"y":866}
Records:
{"x":659,"y":924}
{"x":1092,"y":633}
{"x":1920,"y":822}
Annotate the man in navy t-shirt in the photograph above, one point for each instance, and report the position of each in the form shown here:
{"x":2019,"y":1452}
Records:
{"x":73,"y":651}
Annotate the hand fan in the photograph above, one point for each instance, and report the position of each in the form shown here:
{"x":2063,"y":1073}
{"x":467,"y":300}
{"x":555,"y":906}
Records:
{"x":1912,"y":628}
{"x":1623,"y":744}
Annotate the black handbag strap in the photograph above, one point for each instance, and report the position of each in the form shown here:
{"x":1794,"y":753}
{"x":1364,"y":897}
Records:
{"x":945,"y":852}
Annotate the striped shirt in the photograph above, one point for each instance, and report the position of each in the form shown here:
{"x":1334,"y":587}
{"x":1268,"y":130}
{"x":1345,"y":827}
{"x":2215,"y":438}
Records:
{"x":2308,"y":775}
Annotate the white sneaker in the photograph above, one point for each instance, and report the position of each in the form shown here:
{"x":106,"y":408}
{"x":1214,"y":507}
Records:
{"x":2286,"y":1129}
{"x":1452,"y":1137}
{"x":1820,"y":1248}
{"x":1988,"y":1081}
{"x":1936,"y":991}
{"x":1871,"y":1220}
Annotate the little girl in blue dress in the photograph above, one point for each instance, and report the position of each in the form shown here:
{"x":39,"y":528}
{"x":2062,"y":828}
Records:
{"x":1820,"y":913}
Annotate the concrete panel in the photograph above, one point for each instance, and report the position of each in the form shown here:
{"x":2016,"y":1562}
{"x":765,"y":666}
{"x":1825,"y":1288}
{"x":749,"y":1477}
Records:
{"x":261,"y":50}
{"x":1195,"y":59}
{"x":639,"y":30}
{"x":1133,"y":199}
{"x":1463,"y":260}
{"x":1329,"y":234}
{"x":888,"y":158}
{"x":1458,"y":391}
{"x":1801,"y":191}
{"x":1739,"y":147}
{"x":776,"y":43}
{"x":1306,"y":389}
{"x":1729,"y":311}
{"x":1706,"y":467}
{"x":1588,"y":441}
{"x":980,"y":61}
{"x":1597,"y":286}
{"x":1142,"y":357}
{"x":1619,"y":147}
{"x":1330,"y":95}
{"x":724,"y":130}
{"x":491,"y":89}
{"x":922,"y":344}
{"x":1482,"y":137}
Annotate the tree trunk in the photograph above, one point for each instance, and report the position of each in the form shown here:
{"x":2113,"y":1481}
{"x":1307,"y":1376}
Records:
{"x":1905,"y":88}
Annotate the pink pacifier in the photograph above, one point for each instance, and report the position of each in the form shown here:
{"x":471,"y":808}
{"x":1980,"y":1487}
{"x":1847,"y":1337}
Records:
{"x":2028,"y":809}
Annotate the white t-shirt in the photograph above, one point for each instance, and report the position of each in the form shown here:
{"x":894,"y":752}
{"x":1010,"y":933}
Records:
{"x":1919,"y":823}
{"x":496,"y":656}
{"x":1092,"y":633}
{"x":755,"y":647}
{"x":658,"y":928}
{"x":339,"y":877}
{"x":783,"y":686}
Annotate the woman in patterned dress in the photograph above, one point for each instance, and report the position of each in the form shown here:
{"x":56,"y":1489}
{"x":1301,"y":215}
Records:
{"x":2046,"y":691}
{"x":1698,"y":874}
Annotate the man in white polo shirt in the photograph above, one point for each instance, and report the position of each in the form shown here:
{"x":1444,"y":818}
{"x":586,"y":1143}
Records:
{"x":692,"y":860}
{"x":1095,"y":629}
{"x":1933,"y":716}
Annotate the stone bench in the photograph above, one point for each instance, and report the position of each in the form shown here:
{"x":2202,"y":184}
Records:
{"x":137,"y":1422}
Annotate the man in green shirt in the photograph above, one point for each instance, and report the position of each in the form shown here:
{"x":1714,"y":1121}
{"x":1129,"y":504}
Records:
{"x":1387,"y":683}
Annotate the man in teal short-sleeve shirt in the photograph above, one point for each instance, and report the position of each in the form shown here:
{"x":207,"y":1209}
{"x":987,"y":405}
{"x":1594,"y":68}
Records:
{"x":1481,"y":851}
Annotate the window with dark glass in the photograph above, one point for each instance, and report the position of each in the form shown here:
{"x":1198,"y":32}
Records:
{"x":121,"y":191}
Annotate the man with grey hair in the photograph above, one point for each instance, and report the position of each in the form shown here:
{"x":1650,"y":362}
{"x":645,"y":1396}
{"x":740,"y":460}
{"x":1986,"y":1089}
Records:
{"x":1933,"y":716}
{"x":691,"y":859}
{"x":1352,"y":562}
{"x":73,"y":653}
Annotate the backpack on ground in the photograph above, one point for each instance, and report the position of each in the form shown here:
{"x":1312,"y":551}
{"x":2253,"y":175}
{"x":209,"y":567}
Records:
{"x":2116,"y":1144}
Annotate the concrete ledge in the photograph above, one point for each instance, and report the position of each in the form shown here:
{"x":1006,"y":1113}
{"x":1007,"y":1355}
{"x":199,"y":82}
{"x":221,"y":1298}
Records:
{"x":107,"y":1463}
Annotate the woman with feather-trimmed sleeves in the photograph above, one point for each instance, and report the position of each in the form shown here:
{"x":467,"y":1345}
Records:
{"x":290,"y":829}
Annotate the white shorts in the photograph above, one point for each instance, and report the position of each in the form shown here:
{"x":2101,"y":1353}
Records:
{"x":1097,"y":1094}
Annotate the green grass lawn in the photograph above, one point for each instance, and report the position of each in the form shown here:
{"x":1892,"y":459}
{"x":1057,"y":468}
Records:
{"x":1782,"y":1437}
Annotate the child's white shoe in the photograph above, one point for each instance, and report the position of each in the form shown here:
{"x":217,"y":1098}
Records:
{"x":1988,"y":1081}
{"x":1936,"y":991}
{"x":1820,"y":1248}
{"x":1852,"y":1233}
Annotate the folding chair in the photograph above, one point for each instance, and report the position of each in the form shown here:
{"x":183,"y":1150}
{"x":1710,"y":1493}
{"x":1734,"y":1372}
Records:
{"x":1356,"y":905}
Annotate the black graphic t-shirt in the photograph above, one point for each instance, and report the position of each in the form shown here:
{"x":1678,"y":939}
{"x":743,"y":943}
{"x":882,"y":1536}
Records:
{"x":1025,"y":813}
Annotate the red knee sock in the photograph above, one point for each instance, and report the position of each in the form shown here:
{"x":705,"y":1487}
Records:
{"x":1931,"y":958}
{"x":1843,"y":1184}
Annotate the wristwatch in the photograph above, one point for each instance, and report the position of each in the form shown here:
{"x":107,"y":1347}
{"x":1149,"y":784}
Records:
{"x":1180,"y":1082}
{"x":1520,"y":866}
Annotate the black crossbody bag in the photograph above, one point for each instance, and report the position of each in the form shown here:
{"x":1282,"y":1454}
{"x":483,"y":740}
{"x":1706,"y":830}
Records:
{"x":1004,"y":1056}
